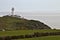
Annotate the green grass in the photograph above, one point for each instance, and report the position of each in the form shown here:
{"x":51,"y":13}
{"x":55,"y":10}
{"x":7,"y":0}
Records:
{"x":23,"y":32}
{"x":43,"y":38}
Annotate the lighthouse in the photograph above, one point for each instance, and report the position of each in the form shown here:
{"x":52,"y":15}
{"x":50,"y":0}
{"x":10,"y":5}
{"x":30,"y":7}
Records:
{"x":12,"y":11}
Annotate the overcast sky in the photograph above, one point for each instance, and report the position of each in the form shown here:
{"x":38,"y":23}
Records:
{"x":47,"y":11}
{"x":30,"y":5}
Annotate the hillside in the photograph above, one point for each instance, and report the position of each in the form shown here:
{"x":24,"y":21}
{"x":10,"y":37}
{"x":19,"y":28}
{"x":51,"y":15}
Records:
{"x":18,"y":23}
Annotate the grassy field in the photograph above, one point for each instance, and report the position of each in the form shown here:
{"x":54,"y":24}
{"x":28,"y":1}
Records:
{"x":43,"y":38}
{"x":23,"y":32}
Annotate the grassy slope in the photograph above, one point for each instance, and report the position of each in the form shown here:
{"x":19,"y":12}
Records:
{"x":8,"y":22}
{"x":14,"y":23}
{"x":23,"y":32}
{"x":43,"y":38}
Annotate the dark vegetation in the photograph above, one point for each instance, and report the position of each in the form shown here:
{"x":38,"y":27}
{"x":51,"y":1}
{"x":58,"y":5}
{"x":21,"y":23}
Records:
{"x":37,"y":34}
{"x":17,"y":23}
